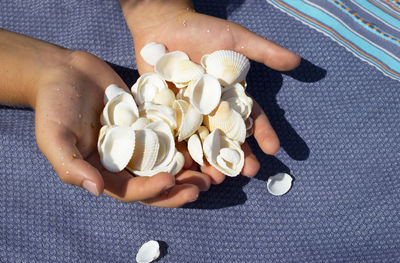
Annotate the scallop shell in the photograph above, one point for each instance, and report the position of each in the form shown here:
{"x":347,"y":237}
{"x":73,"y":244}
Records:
{"x":164,"y":97}
{"x":174,"y":167}
{"x":176,"y":67}
{"x":228,"y":121}
{"x":140,"y":123}
{"x":237,"y":98}
{"x":166,"y":140}
{"x":152,"y":52}
{"x":146,"y":151}
{"x":147,"y":87}
{"x":223,"y":154}
{"x":116,"y":145}
{"x":204,"y":93}
{"x":195,"y":149}
{"x":203,"y":132}
{"x":120,"y":110}
{"x":279,"y":184}
{"x":227,"y":66}
{"x":148,"y":252}
{"x":112,"y":91}
{"x":154,"y":112}
{"x":188,"y":119}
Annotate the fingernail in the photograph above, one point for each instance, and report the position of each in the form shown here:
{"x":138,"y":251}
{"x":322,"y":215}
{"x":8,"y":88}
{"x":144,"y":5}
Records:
{"x":195,"y":199}
{"x":91,"y":187}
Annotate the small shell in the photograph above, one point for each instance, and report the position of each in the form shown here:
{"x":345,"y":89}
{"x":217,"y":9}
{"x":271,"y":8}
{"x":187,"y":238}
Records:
{"x":164,"y":97}
{"x":204,"y":93}
{"x":249,"y":126}
{"x":148,"y":252}
{"x":116,"y":145}
{"x":227,"y":66}
{"x":140,"y":123}
{"x":188,"y":119}
{"x":203,"y":132}
{"x":238,"y":99}
{"x":146,"y":151}
{"x":223,"y":154}
{"x":167,"y":143}
{"x":152,"y":52}
{"x":176,"y":67}
{"x":195,"y":149}
{"x":155,"y":112}
{"x":228,"y":121}
{"x":177,"y":164}
{"x":112,"y":91}
{"x":279,"y":184}
{"x":120,"y":110}
{"x":147,"y":86}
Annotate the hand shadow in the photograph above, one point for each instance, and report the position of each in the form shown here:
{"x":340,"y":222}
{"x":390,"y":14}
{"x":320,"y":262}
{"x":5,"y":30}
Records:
{"x":220,"y":8}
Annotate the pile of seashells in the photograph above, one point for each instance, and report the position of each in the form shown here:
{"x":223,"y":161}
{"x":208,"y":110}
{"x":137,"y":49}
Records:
{"x":211,"y":112}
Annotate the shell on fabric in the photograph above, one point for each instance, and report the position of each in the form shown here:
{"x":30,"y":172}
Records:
{"x":154,"y":112}
{"x":147,"y":87}
{"x":188,"y":119}
{"x":112,"y":91}
{"x":176,"y":67}
{"x":228,"y":121}
{"x":227,"y":66}
{"x":195,"y":149}
{"x":152,"y":52}
{"x":204,"y":93}
{"x":238,"y":100}
{"x":223,"y":154}
{"x":148,"y":252}
{"x":120,"y":110}
{"x":279,"y":184}
{"x":116,"y":145}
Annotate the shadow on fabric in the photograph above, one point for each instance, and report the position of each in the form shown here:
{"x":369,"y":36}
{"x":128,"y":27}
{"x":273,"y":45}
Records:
{"x":220,"y":8}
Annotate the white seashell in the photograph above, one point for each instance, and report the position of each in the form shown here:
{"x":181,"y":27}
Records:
{"x":177,"y":164}
{"x":279,"y":184}
{"x":204,"y":93}
{"x":227,"y":66}
{"x":164,"y":97}
{"x":166,"y":140}
{"x":112,"y":91}
{"x":120,"y":110}
{"x":152,"y":52}
{"x":147,"y":86}
{"x":176,"y":67}
{"x":249,"y":126}
{"x":146,"y":151}
{"x":116,"y":145}
{"x":223,"y":154}
{"x":188,"y":119}
{"x":195,"y":149}
{"x":228,"y":121}
{"x":155,"y":112}
{"x":237,"y":98}
{"x":148,"y":252}
{"x":140,"y":123}
{"x":203,"y":132}
{"x":203,"y":60}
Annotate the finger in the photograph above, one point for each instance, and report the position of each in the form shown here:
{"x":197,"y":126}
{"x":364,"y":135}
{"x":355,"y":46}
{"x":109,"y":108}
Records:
{"x":216,"y":176}
{"x":263,"y":131}
{"x":251,"y":164}
{"x":59,"y":146}
{"x":175,"y":197}
{"x":262,"y":50}
{"x":181,"y":146}
{"x":202,"y":181}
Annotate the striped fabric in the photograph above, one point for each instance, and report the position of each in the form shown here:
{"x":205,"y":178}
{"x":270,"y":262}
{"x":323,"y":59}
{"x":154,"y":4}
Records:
{"x":368,"y":28}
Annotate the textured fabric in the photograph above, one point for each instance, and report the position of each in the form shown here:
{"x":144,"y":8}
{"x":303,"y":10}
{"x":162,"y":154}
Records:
{"x":366,"y":28}
{"x":337,"y":118}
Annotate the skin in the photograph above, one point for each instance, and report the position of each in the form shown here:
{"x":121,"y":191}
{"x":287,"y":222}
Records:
{"x":66,"y":89}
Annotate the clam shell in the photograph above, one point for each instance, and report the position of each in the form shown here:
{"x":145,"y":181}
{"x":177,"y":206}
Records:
{"x":164,"y":97}
{"x":203,"y":132}
{"x":227,"y":66}
{"x":154,"y":112}
{"x":152,"y":52}
{"x":204,"y":93}
{"x":223,"y":154}
{"x":112,"y":91}
{"x":148,"y":252}
{"x":140,"y":123}
{"x":279,"y":184}
{"x":147,"y":87}
{"x":174,"y":167}
{"x":120,"y":110}
{"x":176,"y":67}
{"x":195,"y":149}
{"x":146,"y":151}
{"x":238,"y":100}
{"x":188,"y":119}
{"x":228,"y":121}
{"x":166,"y":140}
{"x":115,"y":146}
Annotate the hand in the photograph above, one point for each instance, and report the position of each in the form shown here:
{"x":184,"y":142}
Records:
{"x":178,"y":27}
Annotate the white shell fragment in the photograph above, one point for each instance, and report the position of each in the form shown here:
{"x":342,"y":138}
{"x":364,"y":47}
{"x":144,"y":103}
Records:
{"x":116,"y":145}
{"x":112,"y":91}
{"x":120,"y":110}
{"x":147,"y":87}
{"x":152,"y":52}
{"x":195,"y":149}
{"x":227,"y":66}
{"x":279,"y":184}
{"x":148,"y":252}
{"x":204,"y":93}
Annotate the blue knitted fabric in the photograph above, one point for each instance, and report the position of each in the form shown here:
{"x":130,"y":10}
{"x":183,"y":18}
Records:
{"x":336,"y":116}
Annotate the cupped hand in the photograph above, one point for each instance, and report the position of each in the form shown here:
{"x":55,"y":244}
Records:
{"x":69,"y":101}
{"x":178,"y":27}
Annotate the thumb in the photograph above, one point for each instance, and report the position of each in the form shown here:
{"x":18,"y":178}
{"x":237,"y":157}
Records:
{"x":58,"y":144}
